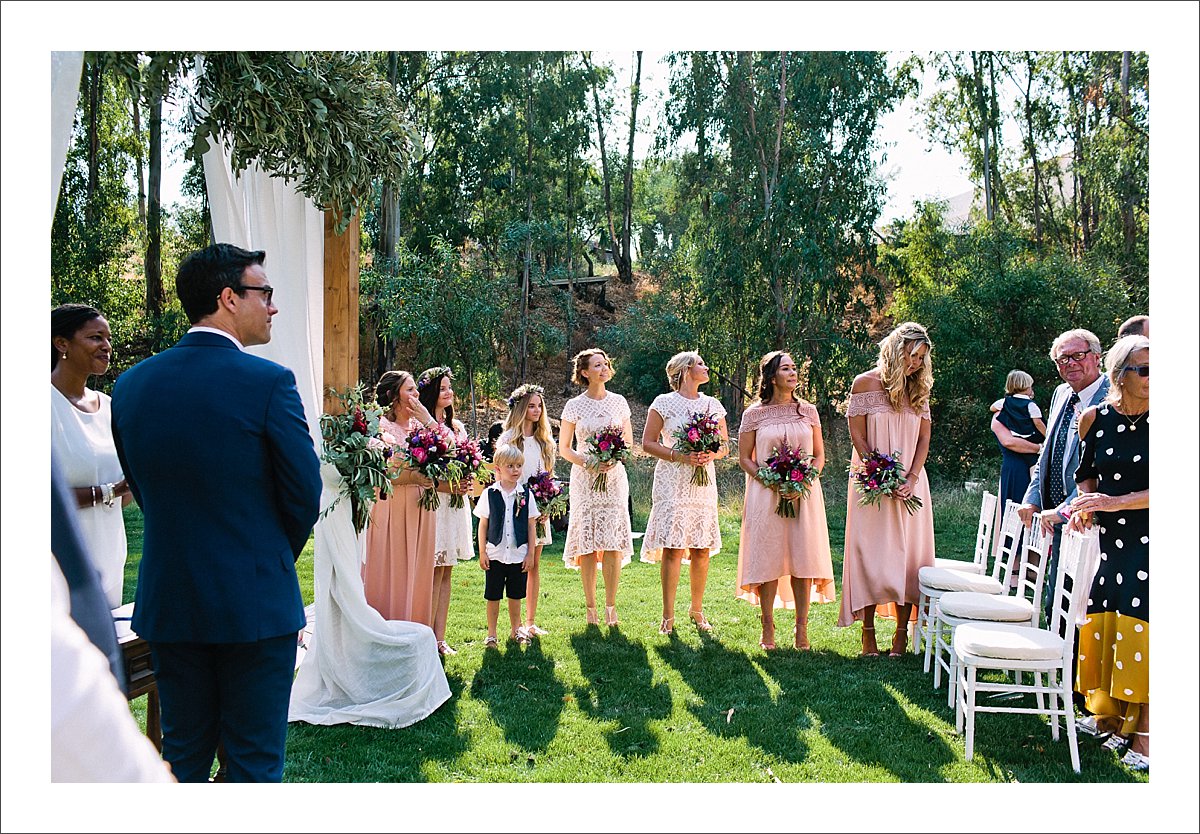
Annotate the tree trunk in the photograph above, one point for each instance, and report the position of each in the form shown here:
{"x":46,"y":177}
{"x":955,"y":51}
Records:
{"x":1128,"y":225}
{"x":983,"y":133}
{"x":134,"y":95}
{"x":94,"y":98}
{"x":154,"y":285}
{"x":612,"y":230}
{"x":389,"y":202}
{"x":1031,"y":144}
{"x":625,"y":261}
{"x":522,"y":362}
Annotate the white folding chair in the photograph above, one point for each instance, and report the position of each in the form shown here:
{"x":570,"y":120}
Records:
{"x":983,"y":540}
{"x":1022,"y":607}
{"x":935,"y":581}
{"x":1047,"y":653}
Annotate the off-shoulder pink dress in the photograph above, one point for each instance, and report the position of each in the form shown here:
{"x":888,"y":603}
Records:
{"x":771,"y":546}
{"x":885,"y":546}
{"x":398,"y":574}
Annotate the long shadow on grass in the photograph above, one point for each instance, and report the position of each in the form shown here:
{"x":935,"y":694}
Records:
{"x":350,"y":753}
{"x":734,"y":700}
{"x":620,"y":689}
{"x":854,"y":702}
{"x":522,"y":694}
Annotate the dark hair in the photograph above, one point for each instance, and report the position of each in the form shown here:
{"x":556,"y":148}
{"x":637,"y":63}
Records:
{"x":768,"y":366}
{"x":389,"y":386}
{"x":65,"y":321}
{"x":495,"y":430}
{"x":1134,"y":326}
{"x":431,"y":387}
{"x":206,"y":272}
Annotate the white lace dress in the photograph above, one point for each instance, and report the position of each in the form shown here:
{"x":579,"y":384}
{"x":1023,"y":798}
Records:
{"x":682,"y":514}
{"x":598,"y":520}
{"x":453,"y":539}
{"x":532,"y":449}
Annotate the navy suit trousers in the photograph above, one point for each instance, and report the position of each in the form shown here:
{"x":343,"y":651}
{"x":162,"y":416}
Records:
{"x":236,"y":693}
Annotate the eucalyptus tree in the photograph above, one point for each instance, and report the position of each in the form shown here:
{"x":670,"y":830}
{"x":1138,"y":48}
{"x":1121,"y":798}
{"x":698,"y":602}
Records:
{"x":795,"y":197}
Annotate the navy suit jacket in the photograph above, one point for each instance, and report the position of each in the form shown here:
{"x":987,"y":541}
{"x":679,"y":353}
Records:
{"x":217,"y":452}
{"x":1037,"y":493}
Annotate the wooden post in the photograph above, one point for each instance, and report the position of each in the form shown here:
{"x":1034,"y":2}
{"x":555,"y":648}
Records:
{"x":341,"y":308}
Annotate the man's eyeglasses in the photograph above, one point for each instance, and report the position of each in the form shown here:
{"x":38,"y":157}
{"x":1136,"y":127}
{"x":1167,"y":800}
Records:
{"x":267,"y":291}
{"x":1140,"y":370}
{"x":1068,"y":358}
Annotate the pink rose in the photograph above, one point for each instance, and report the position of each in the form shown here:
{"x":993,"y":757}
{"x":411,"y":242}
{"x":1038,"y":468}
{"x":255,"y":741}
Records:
{"x":605,"y":445}
{"x":419,"y":455}
{"x":693,"y":435}
{"x":797,"y":475}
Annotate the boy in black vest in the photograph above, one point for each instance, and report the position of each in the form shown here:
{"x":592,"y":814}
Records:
{"x":507,"y":516}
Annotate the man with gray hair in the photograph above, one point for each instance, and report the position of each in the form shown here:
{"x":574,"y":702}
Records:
{"x":1076,"y":354}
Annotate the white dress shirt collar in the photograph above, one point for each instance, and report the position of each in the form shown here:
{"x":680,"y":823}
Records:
{"x":198,"y":328}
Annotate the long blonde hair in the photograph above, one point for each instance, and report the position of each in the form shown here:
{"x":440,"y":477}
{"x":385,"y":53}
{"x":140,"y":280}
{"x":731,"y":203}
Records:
{"x":911,"y":390}
{"x":514,"y":424}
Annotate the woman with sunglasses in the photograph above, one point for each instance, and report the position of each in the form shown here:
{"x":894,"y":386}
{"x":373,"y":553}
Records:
{"x":1114,"y":493}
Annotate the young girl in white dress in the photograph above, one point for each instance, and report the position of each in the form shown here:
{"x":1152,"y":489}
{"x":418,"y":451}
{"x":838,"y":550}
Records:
{"x":528,"y":428}
{"x":599,"y":531}
{"x":453,"y":537}
{"x":682,"y":528}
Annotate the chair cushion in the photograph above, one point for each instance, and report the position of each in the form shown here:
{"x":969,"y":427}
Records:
{"x":957,"y":564}
{"x":969,"y":605}
{"x":1007,"y":642}
{"x":941,"y":579}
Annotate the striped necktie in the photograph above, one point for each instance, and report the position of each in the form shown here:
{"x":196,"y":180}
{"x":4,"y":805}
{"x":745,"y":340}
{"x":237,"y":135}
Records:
{"x":1054,"y":488}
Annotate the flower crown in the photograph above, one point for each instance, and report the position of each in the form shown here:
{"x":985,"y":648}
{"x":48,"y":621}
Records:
{"x":524,"y":391}
{"x":430,"y":374}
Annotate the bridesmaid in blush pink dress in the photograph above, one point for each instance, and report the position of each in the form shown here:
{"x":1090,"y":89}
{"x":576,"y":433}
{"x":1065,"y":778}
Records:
{"x":773,"y":547}
{"x":886,"y":546}
{"x":398,"y":573}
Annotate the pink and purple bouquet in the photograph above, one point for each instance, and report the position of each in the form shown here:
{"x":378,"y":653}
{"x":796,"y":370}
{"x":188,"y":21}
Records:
{"x":427,"y":450}
{"x":881,"y":475}
{"x":608,"y":444}
{"x":791,"y":472}
{"x":700,"y":433}
{"x":466,"y":463}
{"x":551,"y":499}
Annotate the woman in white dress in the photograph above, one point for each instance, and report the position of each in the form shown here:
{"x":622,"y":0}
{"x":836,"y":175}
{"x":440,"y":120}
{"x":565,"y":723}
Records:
{"x":598,"y":531}
{"x":81,"y":437}
{"x":453,"y":531}
{"x":528,"y":428}
{"x":682,"y":528}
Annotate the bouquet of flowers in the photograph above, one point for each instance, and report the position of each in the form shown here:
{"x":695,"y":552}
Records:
{"x":466,"y":462}
{"x":427,"y":450}
{"x":551,"y":499}
{"x":603,"y":446}
{"x":352,"y":442}
{"x":881,"y":474}
{"x":701,"y":433}
{"x":790,"y":471}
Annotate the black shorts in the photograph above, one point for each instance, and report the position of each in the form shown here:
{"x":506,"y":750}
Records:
{"x":501,"y":577}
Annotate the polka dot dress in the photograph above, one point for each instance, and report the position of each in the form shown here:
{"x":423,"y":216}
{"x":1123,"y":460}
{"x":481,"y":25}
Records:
{"x":1114,"y":643}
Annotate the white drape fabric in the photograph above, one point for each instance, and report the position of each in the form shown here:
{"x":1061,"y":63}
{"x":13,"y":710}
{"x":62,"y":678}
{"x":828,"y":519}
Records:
{"x":358,"y":668}
{"x":65,"y":71}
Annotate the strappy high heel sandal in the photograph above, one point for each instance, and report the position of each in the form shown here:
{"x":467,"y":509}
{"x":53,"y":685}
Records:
{"x":700,"y":620}
{"x":767,"y":643}
{"x":801,"y":641}
{"x":869,"y":649}
{"x":899,"y":643}
{"x":668,"y":625}
{"x":592,"y":617}
{"x":610,"y":615}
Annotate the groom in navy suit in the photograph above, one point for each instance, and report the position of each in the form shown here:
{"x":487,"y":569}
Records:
{"x":218,"y":454}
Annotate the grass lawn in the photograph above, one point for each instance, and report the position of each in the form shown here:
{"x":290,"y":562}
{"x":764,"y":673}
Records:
{"x":592,"y":704}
